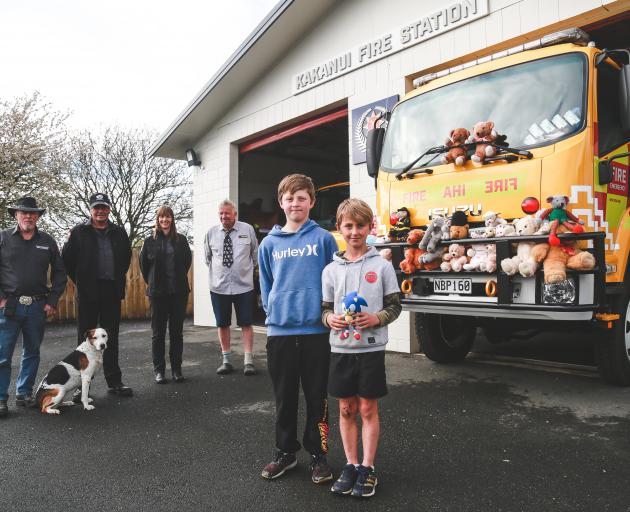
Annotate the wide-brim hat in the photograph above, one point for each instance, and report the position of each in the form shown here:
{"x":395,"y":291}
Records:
{"x":25,"y":204}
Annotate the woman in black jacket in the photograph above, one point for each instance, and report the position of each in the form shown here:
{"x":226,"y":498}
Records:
{"x":165,"y":259}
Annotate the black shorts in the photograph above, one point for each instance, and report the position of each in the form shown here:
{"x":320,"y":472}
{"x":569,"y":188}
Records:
{"x":222,"y":307}
{"x":361,"y":375}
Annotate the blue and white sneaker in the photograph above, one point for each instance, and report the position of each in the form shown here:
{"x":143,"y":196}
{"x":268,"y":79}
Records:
{"x":365,"y":486}
{"x":346,"y":480}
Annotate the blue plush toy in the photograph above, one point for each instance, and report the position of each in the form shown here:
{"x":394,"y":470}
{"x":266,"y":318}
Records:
{"x":351,"y":305}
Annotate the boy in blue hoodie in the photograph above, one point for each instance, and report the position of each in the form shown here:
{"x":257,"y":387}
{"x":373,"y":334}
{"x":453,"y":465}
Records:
{"x":291,"y":260}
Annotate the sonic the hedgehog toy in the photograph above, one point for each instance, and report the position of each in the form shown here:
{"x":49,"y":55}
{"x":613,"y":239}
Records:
{"x":351,"y":305}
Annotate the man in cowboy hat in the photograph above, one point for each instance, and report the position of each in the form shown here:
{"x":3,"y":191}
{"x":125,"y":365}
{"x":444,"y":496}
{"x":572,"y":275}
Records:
{"x":26,"y":254}
{"x":97,"y":256}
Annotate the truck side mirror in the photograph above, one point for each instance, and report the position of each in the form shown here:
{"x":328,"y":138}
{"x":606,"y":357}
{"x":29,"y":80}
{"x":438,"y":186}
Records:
{"x":373,"y":147}
{"x":624,"y":98}
{"x":605,"y":172}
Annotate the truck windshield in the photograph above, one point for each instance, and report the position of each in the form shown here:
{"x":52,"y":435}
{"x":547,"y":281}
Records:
{"x":534,"y":104}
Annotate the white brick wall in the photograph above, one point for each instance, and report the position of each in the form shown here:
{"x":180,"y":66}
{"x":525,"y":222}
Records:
{"x":270,"y":102}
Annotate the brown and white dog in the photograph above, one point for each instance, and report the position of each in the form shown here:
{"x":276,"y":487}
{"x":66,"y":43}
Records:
{"x":76,"y":369}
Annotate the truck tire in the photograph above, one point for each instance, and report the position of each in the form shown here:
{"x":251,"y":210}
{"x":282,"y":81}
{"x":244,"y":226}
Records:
{"x":445,"y":338}
{"x":613,"y":352}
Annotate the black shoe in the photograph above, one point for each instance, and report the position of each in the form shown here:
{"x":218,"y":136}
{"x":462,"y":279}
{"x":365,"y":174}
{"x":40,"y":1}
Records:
{"x":225,"y":368}
{"x":178,"y":377}
{"x":120,"y":390}
{"x":320,"y":470}
{"x":346,"y":480}
{"x":281,"y":462}
{"x":4,"y":409}
{"x":249,"y":369}
{"x":160,"y":378}
{"x":25,"y":401}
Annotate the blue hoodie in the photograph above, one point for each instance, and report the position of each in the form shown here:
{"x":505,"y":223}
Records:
{"x":291,"y":266}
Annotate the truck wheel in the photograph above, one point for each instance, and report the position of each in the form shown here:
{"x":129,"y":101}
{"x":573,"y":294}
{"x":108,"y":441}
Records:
{"x":445,"y":338}
{"x":613,"y":352}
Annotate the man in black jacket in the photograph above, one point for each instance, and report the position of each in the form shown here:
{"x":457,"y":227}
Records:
{"x":97,"y":256}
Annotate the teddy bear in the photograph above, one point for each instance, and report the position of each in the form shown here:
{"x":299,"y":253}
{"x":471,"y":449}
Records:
{"x":400,"y":228}
{"x":491,"y":221}
{"x":457,"y":154}
{"x":504,"y":230}
{"x":430,"y":242}
{"x":478,"y":255}
{"x":459,"y":225}
{"x":446,"y":229}
{"x":490,"y":265}
{"x":482,"y":133}
{"x":559,"y":216}
{"x":411,"y":262}
{"x":522,"y":262}
{"x":454,"y":259}
{"x":557,"y":258}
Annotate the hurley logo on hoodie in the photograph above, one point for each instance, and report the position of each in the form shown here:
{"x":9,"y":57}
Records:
{"x":308,"y":250}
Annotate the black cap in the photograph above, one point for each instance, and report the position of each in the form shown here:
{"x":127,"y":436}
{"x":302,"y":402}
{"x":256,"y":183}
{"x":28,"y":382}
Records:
{"x":25,"y":204}
{"x":98,"y":198}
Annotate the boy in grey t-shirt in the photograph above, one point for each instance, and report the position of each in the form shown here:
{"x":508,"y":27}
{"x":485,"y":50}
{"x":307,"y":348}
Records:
{"x":357,"y":362}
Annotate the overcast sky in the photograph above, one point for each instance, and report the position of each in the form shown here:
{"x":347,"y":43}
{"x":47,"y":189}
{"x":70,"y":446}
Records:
{"x":134,"y":62}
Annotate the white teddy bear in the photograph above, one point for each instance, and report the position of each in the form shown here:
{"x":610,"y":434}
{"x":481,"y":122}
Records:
{"x":522,"y":262}
{"x":490,"y":265}
{"x":478,"y":254}
{"x":504,"y":230}
{"x":492,"y":220}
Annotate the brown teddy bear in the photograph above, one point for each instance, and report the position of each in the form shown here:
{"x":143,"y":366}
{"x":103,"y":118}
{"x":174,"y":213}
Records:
{"x":557,"y":258}
{"x":459,"y":225}
{"x":457,"y":154}
{"x":482,"y":133}
{"x":411,"y":262}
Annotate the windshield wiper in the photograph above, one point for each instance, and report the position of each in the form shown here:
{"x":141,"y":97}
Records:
{"x":437,"y":150}
{"x":502,"y":149}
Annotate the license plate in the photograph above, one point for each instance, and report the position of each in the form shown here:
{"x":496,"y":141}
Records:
{"x":459,"y":286}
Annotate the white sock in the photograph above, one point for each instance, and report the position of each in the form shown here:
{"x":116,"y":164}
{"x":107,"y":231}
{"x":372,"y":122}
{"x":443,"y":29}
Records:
{"x":226,"y":356}
{"x":249,"y":358}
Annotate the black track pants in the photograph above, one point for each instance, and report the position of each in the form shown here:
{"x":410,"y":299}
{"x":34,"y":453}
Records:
{"x":291,"y":360}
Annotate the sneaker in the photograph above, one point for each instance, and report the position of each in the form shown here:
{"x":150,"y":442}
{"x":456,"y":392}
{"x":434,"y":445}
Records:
{"x":4,"y":409}
{"x":225,"y":368}
{"x":249,"y":369}
{"x":25,"y":401}
{"x":281,"y":462}
{"x":346,"y":480}
{"x":320,"y":470}
{"x":365,"y":486}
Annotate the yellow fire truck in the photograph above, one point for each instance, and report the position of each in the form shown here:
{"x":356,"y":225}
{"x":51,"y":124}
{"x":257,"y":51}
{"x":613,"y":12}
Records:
{"x":563,"y":106}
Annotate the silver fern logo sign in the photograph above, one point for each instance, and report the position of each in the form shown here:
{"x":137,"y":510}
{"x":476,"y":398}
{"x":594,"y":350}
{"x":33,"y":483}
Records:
{"x":365,"y":118}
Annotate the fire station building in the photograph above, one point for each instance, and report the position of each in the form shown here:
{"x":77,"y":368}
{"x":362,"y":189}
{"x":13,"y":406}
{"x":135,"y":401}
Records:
{"x":297,"y":96}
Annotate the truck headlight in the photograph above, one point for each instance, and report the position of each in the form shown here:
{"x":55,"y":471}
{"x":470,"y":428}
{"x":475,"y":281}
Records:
{"x":559,"y":293}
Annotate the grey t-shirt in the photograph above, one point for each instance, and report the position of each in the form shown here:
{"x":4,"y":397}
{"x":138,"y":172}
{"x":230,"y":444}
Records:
{"x":372,"y":277}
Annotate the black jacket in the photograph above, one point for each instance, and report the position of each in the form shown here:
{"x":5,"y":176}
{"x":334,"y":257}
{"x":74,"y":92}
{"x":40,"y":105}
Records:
{"x":152,"y":265}
{"x":80,"y":255}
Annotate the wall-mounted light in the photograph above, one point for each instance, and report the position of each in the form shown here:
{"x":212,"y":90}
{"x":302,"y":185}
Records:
{"x":192,"y":158}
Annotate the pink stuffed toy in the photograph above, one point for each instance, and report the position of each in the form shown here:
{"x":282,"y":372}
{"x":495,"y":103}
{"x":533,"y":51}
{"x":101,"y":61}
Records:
{"x":454,"y":259}
{"x":482,"y":133}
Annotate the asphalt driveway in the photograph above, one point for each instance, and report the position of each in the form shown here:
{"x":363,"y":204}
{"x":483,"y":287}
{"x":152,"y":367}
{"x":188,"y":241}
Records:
{"x":475,"y":436}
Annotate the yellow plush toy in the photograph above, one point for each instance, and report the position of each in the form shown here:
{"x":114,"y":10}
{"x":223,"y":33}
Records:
{"x":557,"y":258}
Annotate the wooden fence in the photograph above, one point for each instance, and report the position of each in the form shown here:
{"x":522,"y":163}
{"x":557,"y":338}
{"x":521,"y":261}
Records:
{"x":135,"y":305}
